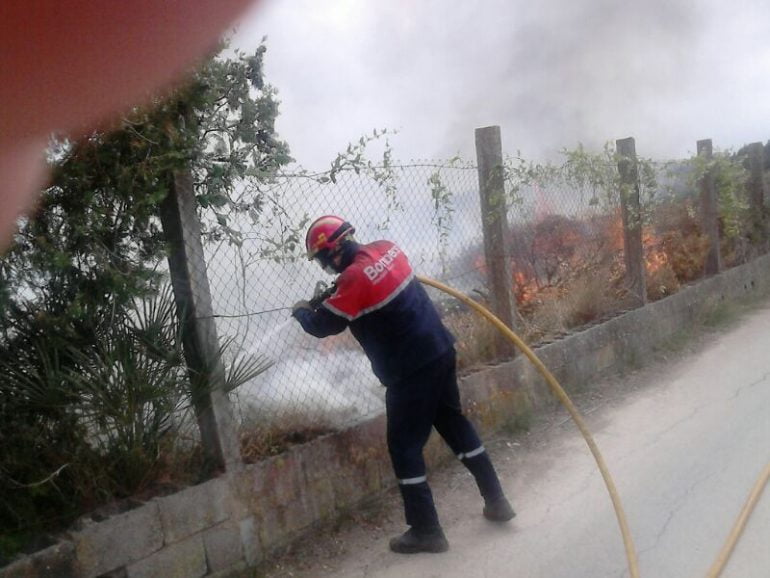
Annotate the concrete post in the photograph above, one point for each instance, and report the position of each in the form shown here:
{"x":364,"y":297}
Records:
{"x":631,"y":208}
{"x":489,"y":154}
{"x":709,"y":210}
{"x":756,"y":186}
{"x":199,"y":337}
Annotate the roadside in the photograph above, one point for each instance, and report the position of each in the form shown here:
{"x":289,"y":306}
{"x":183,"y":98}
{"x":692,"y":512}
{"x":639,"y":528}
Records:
{"x":358,"y":545}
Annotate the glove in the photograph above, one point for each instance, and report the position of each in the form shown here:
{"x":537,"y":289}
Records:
{"x":300,"y":305}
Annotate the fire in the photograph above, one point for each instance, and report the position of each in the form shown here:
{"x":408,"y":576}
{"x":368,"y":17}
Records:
{"x":547,"y":259}
{"x":525,"y":288}
{"x":655,"y":258}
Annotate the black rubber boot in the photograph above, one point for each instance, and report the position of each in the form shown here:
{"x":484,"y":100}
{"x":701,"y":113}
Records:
{"x":419,"y":509}
{"x":413,"y":541}
{"x":499,"y":510}
{"x":484,"y":473}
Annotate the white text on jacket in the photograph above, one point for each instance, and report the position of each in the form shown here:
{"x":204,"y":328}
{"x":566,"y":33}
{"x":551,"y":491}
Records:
{"x":382,"y":264}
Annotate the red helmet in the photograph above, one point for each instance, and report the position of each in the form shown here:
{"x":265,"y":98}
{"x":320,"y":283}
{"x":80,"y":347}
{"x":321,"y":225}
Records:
{"x":326,"y":234}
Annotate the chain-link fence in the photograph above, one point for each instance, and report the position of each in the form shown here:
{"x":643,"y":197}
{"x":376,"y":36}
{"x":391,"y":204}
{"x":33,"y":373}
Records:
{"x":565,"y":243}
{"x":430,"y":210}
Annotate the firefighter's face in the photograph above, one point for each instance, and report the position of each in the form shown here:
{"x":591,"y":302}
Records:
{"x":328,"y":262}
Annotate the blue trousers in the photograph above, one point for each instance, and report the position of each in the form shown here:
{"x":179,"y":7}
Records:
{"x":425,"y":399}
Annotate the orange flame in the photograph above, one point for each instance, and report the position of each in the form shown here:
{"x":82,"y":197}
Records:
{"x":655,"y":256}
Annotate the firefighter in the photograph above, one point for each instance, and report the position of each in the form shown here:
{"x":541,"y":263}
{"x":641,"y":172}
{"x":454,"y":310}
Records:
{"x":413,"y":355}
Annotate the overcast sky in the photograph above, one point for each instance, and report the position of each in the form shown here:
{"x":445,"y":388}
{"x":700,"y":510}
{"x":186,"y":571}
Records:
{"x":551,"y":73}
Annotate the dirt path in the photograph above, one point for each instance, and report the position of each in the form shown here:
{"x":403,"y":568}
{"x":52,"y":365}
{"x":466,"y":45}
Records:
{"x":565,"y":515}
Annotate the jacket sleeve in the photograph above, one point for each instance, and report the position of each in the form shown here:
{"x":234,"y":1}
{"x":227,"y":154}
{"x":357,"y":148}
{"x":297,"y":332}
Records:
{"x":320,"y":322}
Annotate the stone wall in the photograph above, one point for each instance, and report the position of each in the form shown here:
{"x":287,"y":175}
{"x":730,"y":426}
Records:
{"x":227,"y":524}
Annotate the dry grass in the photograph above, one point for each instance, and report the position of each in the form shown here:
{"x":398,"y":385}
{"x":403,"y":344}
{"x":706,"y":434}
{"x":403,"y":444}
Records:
{"x":475,"y":338}
{"x":551,"y":313}
{"x":587,"y":299}
{"x":264,"y":440}
{"x":662,"y":282}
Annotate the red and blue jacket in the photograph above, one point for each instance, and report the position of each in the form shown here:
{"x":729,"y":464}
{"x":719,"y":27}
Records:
{"x":387,"y":310}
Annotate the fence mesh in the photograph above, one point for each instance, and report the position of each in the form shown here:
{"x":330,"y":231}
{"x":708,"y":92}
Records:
{"x":254,"y":282}
{"x":566,"y":250}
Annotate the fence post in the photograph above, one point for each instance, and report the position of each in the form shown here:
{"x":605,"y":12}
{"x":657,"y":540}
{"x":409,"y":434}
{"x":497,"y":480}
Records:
{"x":756,"y":187}
{"x":489,"y":154}
{"x":709,"y":210}
{"x":631,"y":208}
{"x":199,"y":336}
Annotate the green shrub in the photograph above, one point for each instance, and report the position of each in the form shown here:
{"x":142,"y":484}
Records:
{"x":80,"y":427}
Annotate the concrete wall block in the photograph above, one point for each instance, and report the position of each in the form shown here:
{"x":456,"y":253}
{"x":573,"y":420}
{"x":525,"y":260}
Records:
{"x":600,"y":334}
{"x":274,"y":482}
{"x":280,"y":524}
{"x":490,"y":405}
{"x":272,"y":529}
{"x":319,"y":496}
{"x":194,"y":509}
{"x":119,"y":573}
{"x":680,"y":318}
{"x":298,"y":515}
{"x":186,"y":559}
{"x":118,"y":541}
{"x":750,"y":282}
{"x":285,"y":478}
{"x":552,"y":355}
{"x":320,"y":466}
{"x":322,"y":498}
{"x":667,"y":319}
{"x":509,"y":381}
{"x":362,"y":452}
{"x":758,"y":275}
{"x":289,"y":493}
{"x":250,"y":541}
{"x":581,"y":374}
{"x":270,"y":524}
{"x":319,"y":459}
{"x":472,"y":390}
{"x":605,"y":358}
{"x":370,"y":434}
{"x":348,"y":491}
{"x":581,"y":344}
{"x":532,"y":380}
{"x":223,"y":546}
{"x":241,"y":486}
{"x":238,"y":570}
{"x":56,"y":561}
{"x":279,"y":515}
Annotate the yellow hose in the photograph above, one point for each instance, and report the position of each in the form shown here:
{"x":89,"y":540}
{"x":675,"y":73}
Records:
{"x":740,"y":523}
{"x":633,"y":563}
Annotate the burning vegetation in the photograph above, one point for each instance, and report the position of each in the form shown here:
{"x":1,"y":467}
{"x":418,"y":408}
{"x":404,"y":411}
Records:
{"x":567,"y":272}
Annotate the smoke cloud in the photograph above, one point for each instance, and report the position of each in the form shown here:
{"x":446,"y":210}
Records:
{"x":551,"y":73}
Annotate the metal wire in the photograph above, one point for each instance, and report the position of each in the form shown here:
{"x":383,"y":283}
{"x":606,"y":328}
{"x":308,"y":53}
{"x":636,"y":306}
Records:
{"x":558,"y":231}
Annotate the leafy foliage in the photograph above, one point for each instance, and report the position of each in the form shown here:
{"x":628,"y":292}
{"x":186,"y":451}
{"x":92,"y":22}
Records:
{"x":730,"y":178}
{"x":567,"y":265}
{"x":82,"y":425}
{"x":89,"y":342}
{"x":442,"y":211}
{"x":594,"y":176}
